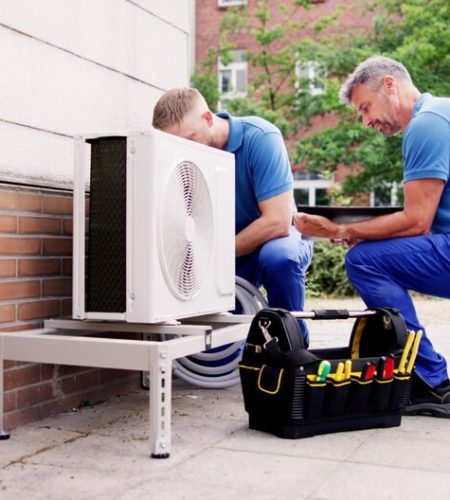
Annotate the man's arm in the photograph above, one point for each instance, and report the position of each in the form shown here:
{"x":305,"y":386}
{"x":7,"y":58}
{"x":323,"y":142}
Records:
{"x":274,"y":222}
{"x":421,"y":201}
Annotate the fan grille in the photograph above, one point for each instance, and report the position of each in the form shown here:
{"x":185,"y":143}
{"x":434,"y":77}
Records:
{"x":186,"y":241}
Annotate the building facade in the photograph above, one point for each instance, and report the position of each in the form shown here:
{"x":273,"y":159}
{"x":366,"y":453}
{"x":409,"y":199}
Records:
{"x":68,"y":68}
{"x":234,"y":77}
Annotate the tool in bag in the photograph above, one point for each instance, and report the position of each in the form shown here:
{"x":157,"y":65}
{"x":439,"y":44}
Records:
{"x":294,"y":392}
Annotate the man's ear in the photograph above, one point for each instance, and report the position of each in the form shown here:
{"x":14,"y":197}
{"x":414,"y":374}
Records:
{"x":208,"y":117}
{"x":389,"y":83}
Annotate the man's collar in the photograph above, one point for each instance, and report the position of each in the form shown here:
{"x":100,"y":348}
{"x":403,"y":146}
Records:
{"x":419,"y":102}
{"x":235,"y":134}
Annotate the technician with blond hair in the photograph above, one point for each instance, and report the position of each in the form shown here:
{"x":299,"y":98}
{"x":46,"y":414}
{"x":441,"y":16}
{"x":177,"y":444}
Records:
{"x":269,"y":251}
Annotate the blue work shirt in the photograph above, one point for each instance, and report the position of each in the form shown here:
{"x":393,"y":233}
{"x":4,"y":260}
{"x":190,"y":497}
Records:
{"x":263,"y":169}
{"x":426,"y":151}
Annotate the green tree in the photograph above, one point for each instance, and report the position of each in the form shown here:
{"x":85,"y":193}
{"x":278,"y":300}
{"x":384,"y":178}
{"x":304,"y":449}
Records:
{"x":273,"y":26}
{"x":416,"y":32}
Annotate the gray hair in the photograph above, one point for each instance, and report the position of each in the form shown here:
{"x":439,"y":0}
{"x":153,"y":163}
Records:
{"x":371,"y":72}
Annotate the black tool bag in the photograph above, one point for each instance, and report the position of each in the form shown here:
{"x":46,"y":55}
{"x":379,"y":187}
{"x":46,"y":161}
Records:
{"x":294,"y":392}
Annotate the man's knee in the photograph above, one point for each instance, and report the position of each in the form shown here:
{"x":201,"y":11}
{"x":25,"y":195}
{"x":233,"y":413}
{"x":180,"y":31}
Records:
{"x":354,"y":260}
{"x":282,"y":257}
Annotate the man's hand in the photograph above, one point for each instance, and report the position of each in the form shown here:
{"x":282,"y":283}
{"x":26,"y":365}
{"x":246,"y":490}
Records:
{"x":316,"y":225}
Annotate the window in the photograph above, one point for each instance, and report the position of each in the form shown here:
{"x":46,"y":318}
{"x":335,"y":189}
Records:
{"x":311,"y":189}
{"x":233,"y":77}
{"x":308,"y":76}
{"x":229,"y":3}
{"x":384,"y":195}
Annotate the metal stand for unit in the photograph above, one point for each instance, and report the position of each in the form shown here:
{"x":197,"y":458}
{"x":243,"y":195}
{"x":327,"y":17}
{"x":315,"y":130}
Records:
{"x":68,"y":342}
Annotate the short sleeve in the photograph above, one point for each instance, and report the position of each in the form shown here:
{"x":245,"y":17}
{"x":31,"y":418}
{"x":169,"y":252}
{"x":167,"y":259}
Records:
{"x":426,"y":148}
{"x":271,"y":169}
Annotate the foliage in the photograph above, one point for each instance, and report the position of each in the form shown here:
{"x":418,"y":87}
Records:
{"x":273,"y":26}
{"x":416,"y":32}
{"x":326,"y":275}
{"x":205,"y":79}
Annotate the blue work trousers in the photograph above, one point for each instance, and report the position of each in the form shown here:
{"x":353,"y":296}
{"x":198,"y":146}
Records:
{"x":384,"y":271}
{"x":280,"y":267}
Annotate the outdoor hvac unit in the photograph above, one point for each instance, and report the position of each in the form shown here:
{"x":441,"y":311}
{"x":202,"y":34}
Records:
{"x":160,"y":238}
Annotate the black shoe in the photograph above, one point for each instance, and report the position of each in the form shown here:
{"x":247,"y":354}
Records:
{"x":427,"y":400}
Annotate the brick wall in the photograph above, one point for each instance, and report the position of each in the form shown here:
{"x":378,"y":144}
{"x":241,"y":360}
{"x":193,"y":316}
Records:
{"x":209,"y":15}
{"x":35,"y":284}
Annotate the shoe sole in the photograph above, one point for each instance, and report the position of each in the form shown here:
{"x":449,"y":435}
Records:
{"x":438,"y":410}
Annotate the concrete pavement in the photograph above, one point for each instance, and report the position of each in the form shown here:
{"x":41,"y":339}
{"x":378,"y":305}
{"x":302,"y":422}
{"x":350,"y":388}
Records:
{"x":102,"y":452}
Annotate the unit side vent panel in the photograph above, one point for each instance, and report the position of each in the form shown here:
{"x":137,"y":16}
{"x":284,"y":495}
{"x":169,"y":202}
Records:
{"x":106,"y":279}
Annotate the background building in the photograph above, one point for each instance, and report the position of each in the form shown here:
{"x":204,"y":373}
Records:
{"x":233,"y":78}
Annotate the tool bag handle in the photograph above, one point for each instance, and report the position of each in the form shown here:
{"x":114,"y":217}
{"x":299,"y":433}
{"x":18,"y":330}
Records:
{"x":366,"y":337}
{"x":332,"y":314}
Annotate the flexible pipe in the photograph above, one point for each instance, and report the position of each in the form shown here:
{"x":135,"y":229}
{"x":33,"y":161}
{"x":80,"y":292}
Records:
{"x":224,"y":371}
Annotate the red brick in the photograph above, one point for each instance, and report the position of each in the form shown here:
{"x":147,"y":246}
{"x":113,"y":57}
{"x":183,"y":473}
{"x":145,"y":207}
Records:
{"x":49,"y":372}
{"x":57,"y":204}
{"x":20,"y":246}
{"x":25,"y":413}
{"x":8,"y":224}
{"x":39,"y":267}
{"x":107,"y":375}
{"x":22,"y":417}
{"x":66,"y":370}
{"x":57,"y":246}
{"x":40,"y":309}
{"x":33,"y":395}
{"x":7,"y":313}
{"x":67,"y":267}
{"x":10,"y":290}
{"x":22,"y":376}
{"x":57,"y":287}
{"x":66,"y":308}
{"x":7,"y":268}
{"x":68,"y":227}
{"x":9,"y":401}
{"x":20,"y":200}
{"x":78,"y":382}
{"x":39,"y":225}
{"x":62,"y":404}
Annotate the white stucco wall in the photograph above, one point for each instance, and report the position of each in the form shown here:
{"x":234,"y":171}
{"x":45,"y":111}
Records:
{"x":75,"y":66}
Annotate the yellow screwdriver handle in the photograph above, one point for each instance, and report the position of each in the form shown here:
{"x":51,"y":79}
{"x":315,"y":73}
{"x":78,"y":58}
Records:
{"x":414,"y":351}
{"x":409,"y":341}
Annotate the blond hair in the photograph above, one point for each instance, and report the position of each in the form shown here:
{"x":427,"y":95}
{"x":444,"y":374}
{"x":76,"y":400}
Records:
{"x":174,"y":105}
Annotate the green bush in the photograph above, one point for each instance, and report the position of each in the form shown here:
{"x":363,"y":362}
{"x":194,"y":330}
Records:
{"x":326,"y":275}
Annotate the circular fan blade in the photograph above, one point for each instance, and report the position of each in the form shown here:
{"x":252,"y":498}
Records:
{"x":187,"y":230}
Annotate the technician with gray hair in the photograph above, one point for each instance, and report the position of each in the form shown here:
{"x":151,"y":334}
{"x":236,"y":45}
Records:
{"x":410,"y":249}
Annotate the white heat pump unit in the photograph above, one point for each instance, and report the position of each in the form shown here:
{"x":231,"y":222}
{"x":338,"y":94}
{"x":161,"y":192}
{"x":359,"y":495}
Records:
{"x":160,"y":238}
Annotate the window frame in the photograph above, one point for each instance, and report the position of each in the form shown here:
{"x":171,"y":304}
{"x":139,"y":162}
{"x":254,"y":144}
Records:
{"x":231,"y":3}
{"x":234,"y":66}
{"x":308,"y":70}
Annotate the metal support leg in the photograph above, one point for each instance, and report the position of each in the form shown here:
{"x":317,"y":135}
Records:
{"x":160,"y":367}
{"x":3,"y":434}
